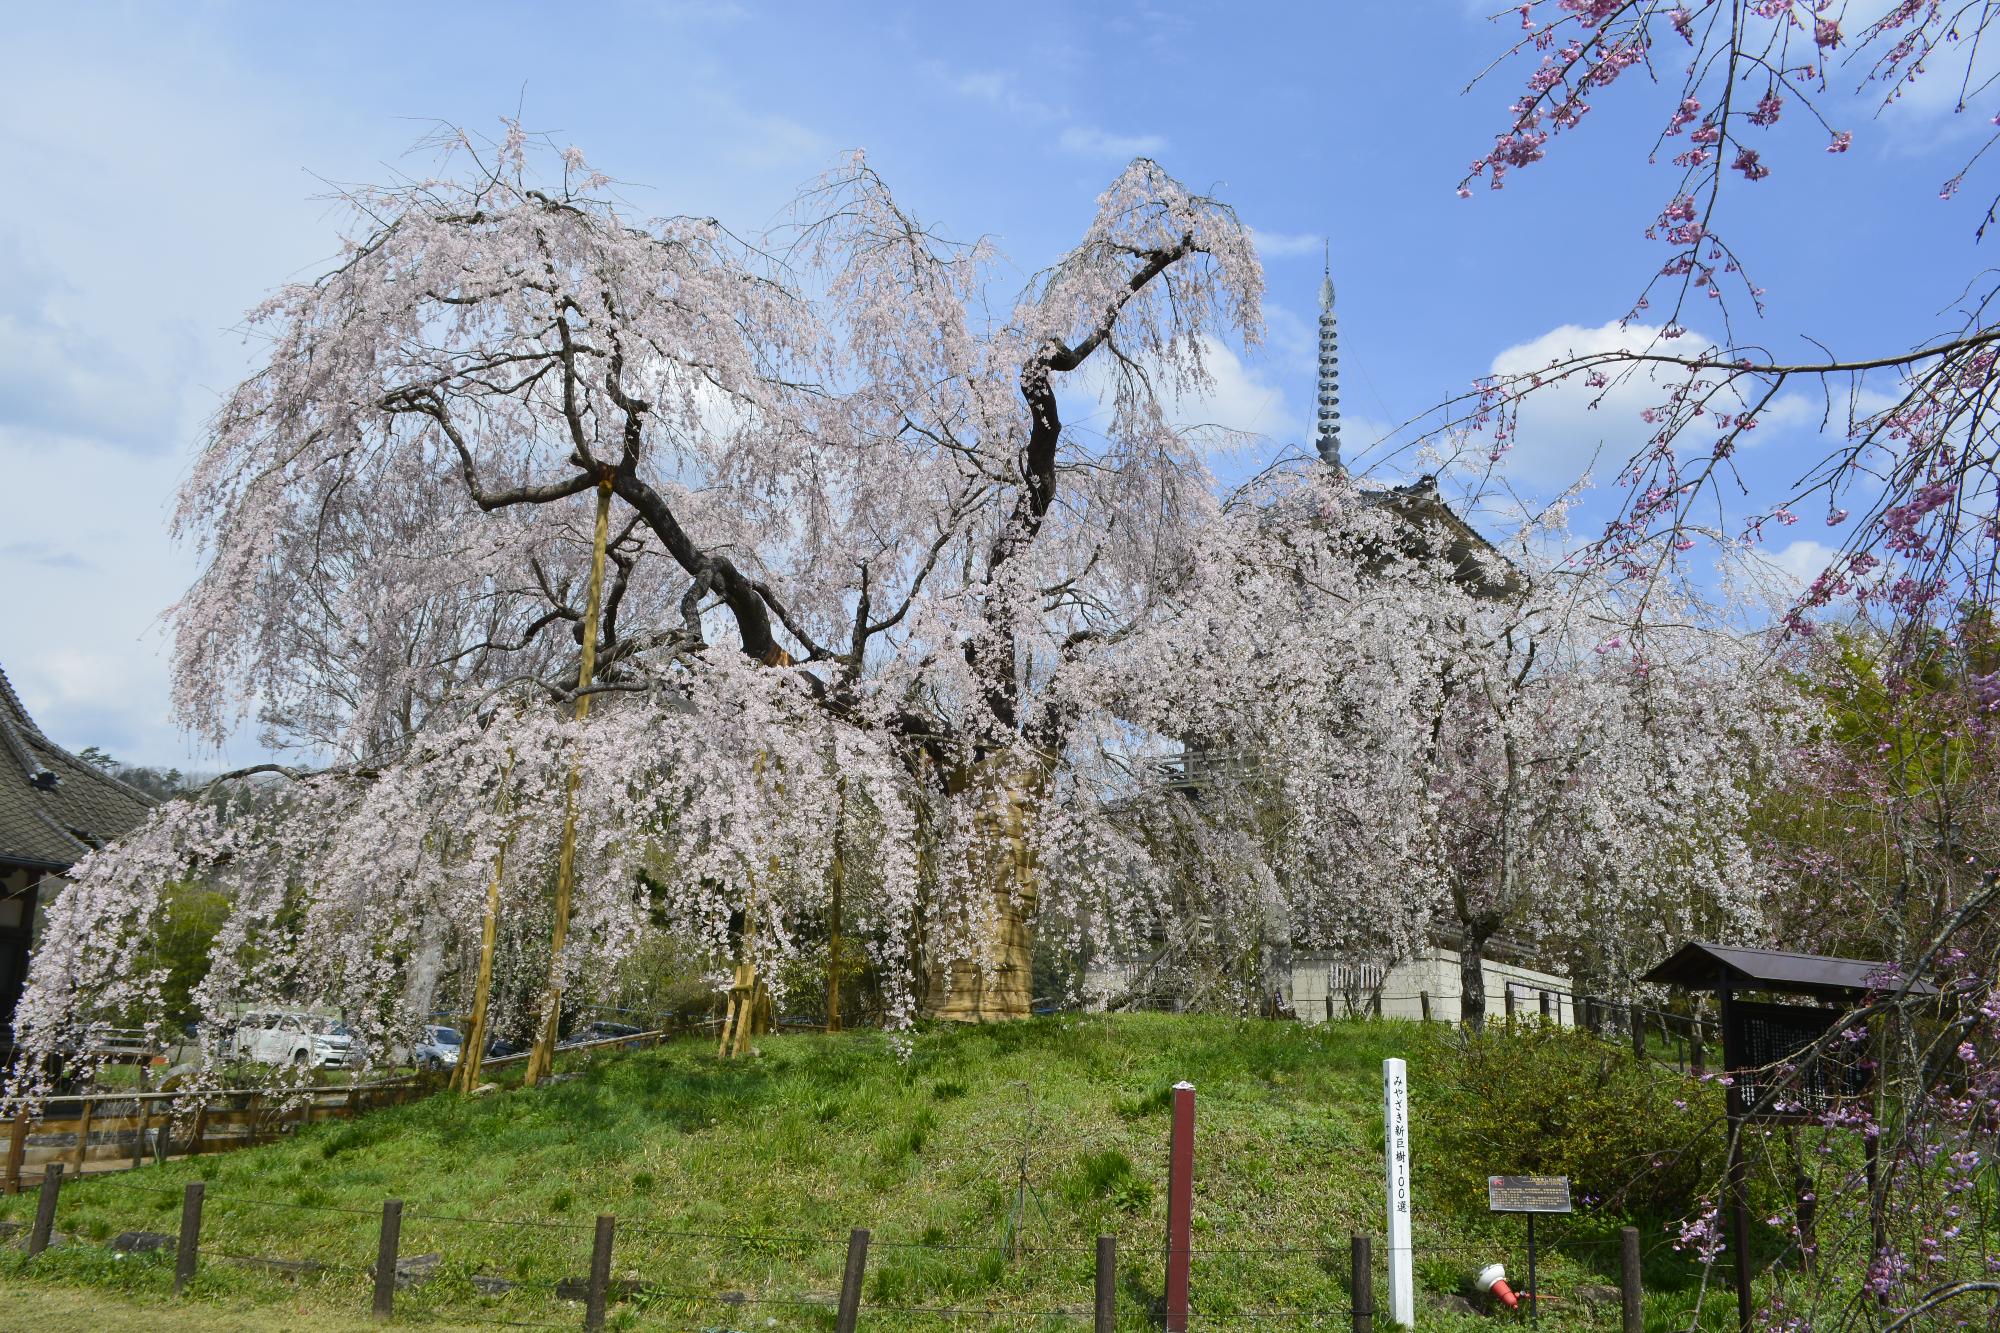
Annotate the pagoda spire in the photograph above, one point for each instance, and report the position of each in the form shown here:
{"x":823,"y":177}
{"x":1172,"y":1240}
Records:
{"x":1328,"y":441}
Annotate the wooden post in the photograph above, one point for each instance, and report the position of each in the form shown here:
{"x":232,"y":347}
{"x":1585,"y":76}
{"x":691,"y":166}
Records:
{"x":836,"y":884}
{"x":1180,"y":1205}
{"x":1507,"y":993}
{"x":1545,"y":1006}
{"x":1107,"y":1285}
{"x":1361,"y":1285}
{"x":45,"y":1209}
{"x":145,"y":1123}
{"x":1630,"y":1297}
{"x":849,"y":1314}
{"x":188,"y":1252}
{"x":541,"y":1060}
{"x":1738,"y":1175}
{"x":473,"y":1052}
{"x":17,"y":1148}
{"x":1424,"y":1003}
{"x":83,"y":1120}
{"x":385,"y":1258}
{"x":600,"y":1271}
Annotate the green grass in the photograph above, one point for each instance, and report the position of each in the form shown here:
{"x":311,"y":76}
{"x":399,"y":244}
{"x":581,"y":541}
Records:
{"x":745,"y":1177}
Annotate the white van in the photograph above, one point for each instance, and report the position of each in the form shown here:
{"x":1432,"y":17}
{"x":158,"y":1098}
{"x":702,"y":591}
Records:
{"x":281,"y":1038}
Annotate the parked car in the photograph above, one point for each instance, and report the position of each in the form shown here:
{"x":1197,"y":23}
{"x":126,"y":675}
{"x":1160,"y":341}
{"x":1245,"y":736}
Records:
{"x":599,"y":1031}
{"x":282,"y":1038}
{"x":438,"y":1048}
{"x":501,"y":1046}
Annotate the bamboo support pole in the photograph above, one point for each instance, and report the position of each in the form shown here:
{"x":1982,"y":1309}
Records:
{"x":466,"y":1077}
{"x":836,"y":884}
{"x":543,"y":1057}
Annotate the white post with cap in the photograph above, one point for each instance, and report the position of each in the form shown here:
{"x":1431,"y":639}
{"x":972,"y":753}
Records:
{"x":1396,"y":1159}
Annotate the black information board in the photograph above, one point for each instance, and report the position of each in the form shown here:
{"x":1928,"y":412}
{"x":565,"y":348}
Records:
{"x":1527,"y":1194}
{"x":1762,"y":1040}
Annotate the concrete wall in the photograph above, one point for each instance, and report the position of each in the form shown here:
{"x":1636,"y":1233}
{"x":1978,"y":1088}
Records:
{"x":1352,"y":986}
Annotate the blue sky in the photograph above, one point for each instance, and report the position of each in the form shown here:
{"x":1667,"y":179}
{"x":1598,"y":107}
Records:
{"x":161,"y":163}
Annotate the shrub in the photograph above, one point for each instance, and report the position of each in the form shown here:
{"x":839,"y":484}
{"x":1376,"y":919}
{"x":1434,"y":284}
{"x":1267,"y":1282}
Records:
{"x":1635,"y":1138}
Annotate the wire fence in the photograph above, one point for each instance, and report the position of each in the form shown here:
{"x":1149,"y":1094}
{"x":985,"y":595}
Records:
{"x":641,"y":1263}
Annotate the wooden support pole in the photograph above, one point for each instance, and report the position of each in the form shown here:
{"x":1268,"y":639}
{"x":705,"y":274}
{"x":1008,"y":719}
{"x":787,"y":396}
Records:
{"x":1180,"y":1206}
{"x":473,"y":1053}
{"x":17,"y":1148}
{"x":1107,"y":1286}
{"x":187,"y":1254}
{"x":83,"y":1120}
{"x":836,"y":884}
{"x":541,"y":1060}
{"x":386,"y":1246}
{"x":1631,"y":1298}
{"x":145,"y":1123}
{"x":1361,"y":1285}
{"x":45,"y":1209}
{"x":849,"y":1314}
{"x":600,"y":1271}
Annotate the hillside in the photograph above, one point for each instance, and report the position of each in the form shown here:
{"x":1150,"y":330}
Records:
{"x":735,"y":1185}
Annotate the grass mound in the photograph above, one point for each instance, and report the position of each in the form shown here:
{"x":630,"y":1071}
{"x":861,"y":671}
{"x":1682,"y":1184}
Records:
{"x":985,"y":1161}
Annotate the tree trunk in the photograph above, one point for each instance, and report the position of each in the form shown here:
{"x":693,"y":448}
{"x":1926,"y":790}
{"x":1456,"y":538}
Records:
{"x":996,"y":984}
{"x":1472,"y":978}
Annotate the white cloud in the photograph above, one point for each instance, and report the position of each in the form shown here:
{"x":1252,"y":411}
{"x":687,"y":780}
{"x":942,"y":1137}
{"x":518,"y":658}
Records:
{"x":1090,"y":141}
{"x":1286,"y":245}
{"x":1561,"y":434}
{"x":1800,"y":562}
{"x":1243,"y":401}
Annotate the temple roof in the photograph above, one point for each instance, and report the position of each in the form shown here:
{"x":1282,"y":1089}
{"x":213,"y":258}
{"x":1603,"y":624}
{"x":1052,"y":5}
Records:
{"x":54,"y":807}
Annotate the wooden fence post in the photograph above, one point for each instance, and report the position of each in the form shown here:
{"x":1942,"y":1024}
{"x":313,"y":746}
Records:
{"x":83,"y":1132}
{"x":850,"y":1281}
{"x":1107,"y":1285}
{"x":1628,"y":1280}
{"x":45,"y":1209}
{"x":139,"y":1139}
{"x":17,"y":1147}
{"x":1180,"y":1204}
{"x":188,"y":1251}
{"x":385,"y":1258}
{"x":600,"y":1271}
{"x":1361,"y":1285}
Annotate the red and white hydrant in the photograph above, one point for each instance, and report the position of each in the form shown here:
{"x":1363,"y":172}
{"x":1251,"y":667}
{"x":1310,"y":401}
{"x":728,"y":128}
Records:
{"x":1493,"y":1278}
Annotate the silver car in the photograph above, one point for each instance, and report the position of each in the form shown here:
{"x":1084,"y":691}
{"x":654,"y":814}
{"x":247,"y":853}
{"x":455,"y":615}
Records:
{"x":285,"y":1038}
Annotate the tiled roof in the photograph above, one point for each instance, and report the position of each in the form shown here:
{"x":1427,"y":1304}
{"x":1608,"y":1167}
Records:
{"x":54,"y":807}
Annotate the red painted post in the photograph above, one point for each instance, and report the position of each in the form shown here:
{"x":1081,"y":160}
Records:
{"x":1180,"y":1205}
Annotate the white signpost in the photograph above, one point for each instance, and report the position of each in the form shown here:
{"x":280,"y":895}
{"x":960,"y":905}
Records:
{"x":1396,"y":1156}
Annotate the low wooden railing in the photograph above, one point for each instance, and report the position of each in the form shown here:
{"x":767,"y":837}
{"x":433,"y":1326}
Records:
{"x":109,"y":1130}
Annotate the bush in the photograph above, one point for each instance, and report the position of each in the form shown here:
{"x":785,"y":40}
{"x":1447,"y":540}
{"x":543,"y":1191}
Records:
{"x":1635,"y":1138}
